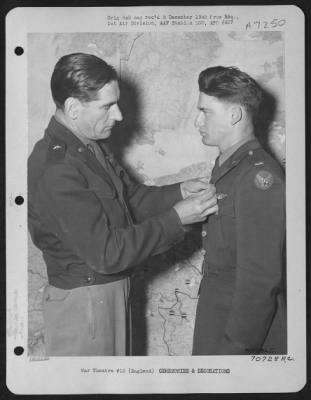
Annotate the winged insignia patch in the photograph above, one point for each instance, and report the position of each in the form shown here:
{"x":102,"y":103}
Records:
{"x":264,"y":180}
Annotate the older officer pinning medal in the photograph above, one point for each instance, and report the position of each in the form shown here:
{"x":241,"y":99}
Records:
{"x":92,"y":223}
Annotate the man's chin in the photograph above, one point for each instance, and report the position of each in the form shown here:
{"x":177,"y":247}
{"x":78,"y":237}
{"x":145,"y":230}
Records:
{"x":105,"y":134}
{"x":205,"y":141}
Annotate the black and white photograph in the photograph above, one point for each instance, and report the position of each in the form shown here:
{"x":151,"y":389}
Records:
{"x":157,"y":196}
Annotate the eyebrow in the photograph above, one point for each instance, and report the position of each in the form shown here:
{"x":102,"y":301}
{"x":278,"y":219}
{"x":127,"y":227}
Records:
{"x":204,"y":109}
{"x":108,"y":104}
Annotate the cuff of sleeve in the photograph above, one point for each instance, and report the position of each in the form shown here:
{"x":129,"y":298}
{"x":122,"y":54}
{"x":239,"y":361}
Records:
{"x":172,"y":226}
{"x":175,"y":192}
{"x":179,"y":195}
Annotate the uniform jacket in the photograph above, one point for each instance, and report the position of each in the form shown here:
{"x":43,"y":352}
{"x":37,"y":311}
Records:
{"x":241,"y":308}
{"x":93,"y":223}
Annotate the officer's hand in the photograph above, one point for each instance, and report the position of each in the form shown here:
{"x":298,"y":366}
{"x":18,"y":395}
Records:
{"x":193,"y":186}
{"x":197,"y":207}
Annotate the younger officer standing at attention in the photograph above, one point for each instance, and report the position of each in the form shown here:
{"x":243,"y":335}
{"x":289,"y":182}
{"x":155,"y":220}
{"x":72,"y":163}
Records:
{"x":241,"y":309}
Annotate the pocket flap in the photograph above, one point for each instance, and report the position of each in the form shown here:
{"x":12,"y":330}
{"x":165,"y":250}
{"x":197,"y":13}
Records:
{"x":103,"y":189}
{"x":52,"y":293}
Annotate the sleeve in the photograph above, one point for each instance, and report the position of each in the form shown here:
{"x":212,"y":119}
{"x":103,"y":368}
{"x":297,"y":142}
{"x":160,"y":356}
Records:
{"x":260,"y":232}
{"x":147,"y":201}
{"x":74,"y":213}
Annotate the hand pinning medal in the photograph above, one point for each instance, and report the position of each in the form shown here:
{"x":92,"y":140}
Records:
{"x":264,"y":180}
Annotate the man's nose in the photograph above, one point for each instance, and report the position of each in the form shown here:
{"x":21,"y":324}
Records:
{"x":116,"y":113}
{"x":198,"y":120}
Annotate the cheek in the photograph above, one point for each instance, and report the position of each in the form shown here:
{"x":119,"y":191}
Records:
{"x":210,"y":123}
{"x":206,"y":121}
{"x":219,"y":124}
{"x":100,"y":121}
{"x":89,"y":120}
{"x":103,"y":118}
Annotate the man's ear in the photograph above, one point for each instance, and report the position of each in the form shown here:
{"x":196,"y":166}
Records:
{"x":236,"y":114}
{"x":72,"y":107}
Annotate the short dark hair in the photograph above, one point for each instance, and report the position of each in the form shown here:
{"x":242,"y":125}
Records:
{"x":232,"y":85}
{"x":79,"y":75}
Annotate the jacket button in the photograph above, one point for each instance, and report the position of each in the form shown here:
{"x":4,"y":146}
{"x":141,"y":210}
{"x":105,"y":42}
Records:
{"x":80,"y":149}
{"x":203,"y":233}
{"x":251,"y":152}
{"x":88,"y":279}
{"x":203,"y":252}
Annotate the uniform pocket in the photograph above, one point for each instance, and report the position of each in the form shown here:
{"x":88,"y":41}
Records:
{"x":112,"y":203}
{"x":103,"y":189}
{"x":54,"y":294}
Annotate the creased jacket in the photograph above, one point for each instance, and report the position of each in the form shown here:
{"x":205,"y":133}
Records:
{"x":93,"y":224}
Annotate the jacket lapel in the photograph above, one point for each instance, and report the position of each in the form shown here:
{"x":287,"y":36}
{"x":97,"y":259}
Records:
{"x":242,"y":152}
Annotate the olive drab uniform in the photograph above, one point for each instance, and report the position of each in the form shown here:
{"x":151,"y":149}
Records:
{"x":241,"y":308}
{"x":93,"y":224}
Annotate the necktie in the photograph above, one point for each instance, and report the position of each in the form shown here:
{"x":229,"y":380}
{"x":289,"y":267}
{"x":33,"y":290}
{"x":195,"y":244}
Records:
{"x":95,"y":149}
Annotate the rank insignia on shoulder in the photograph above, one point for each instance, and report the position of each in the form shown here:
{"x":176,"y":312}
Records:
{"x":264,"y":180}
{"x":56,"y":153}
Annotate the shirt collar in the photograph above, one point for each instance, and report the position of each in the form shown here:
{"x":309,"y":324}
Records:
{"x":234,"y":159}
{"x":227,"y":153}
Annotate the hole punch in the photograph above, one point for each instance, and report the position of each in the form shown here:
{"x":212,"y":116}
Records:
{"x":19,"y":350}
{"x":19,"y":50}
{"x":19,"y":200}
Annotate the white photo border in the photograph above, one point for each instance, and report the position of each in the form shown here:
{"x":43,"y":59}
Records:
{"x":64,"y":374}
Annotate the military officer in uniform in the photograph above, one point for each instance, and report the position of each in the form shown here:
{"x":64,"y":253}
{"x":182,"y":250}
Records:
{"x":92,"y":223}
{"x":241,"y":308}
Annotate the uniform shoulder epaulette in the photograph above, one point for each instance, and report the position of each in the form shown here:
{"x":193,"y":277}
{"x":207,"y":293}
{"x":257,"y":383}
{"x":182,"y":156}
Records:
{"x":255,"y":155}
{"x":265,"y":169}
{"x":254,"y":159}
{"x":265,"y":160}
{"x":56,"y":152}
{"x":261,"y":159}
